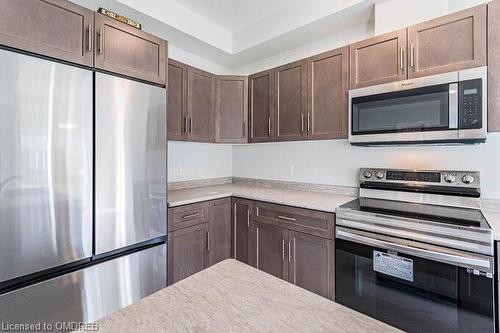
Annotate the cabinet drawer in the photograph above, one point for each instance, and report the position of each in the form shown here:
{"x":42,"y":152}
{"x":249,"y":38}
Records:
{"x":297,"y":219}
{"x":186,"y":216}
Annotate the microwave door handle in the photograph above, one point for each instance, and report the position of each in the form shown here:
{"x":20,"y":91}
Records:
{"x":453,"y":106}
{"x":449,"y":258}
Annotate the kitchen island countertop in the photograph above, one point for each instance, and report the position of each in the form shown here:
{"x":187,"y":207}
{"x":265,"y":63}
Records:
{"x":233,"y":297}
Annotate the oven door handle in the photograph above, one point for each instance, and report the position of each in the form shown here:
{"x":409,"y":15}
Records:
{"x":453,"y":106}
{"x":459,"y":260}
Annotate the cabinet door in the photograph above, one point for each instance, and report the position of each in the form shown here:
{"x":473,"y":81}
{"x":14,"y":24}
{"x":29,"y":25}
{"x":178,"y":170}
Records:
{"x":129,"y":51}
{"x":312,"y":263}
{"x":200,"y":99}
{"x":378,"y":60}
{"x":261,"y":110}
{"x":242,"y":210}
{"x":177,"y":99}
{"x":187,"y":252}
{"x":494,"y":66}
{"x":290,"y":87}
{"x":54,"y":28}
{"x":268,"y":249}
{"x":327,"y":95}
{"x":449,"y":43}
{"x":231,"y":109}
{"x":219,"y":231}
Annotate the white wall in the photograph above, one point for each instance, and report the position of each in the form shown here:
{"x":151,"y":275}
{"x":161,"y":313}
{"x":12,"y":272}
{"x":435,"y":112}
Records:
{"x":336,"y":162}
{"x":191,"y":161}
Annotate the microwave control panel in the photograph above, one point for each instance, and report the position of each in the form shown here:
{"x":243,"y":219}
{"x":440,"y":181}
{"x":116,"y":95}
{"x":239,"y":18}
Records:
{"x":470,"y":98}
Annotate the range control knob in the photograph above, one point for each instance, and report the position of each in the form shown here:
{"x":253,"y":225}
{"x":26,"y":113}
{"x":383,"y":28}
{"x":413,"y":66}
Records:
{"x":467,"y":179}
{"x":367,"y":174}
{"x":449,"y":178}
{"x":379,"y":174}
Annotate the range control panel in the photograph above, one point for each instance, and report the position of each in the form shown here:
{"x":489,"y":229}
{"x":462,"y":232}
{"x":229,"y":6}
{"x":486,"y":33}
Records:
{"x":426,"y":177}
{"x":470,"y":104}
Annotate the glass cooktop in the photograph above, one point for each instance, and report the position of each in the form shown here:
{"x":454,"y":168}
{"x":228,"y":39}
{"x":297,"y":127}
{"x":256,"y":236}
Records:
{"x":442,"y":214}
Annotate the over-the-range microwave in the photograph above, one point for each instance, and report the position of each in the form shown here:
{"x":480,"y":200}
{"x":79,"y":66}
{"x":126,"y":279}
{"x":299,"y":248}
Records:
{"x":440,"y":109}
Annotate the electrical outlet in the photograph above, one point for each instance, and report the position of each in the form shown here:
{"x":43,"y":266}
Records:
{"x":178,"y":171}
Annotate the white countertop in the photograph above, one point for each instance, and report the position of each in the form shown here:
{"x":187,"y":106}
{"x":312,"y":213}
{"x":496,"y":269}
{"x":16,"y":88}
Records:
{"x":321,"y":201}
{"x":233,"y":297}
{"x":493,"y":218}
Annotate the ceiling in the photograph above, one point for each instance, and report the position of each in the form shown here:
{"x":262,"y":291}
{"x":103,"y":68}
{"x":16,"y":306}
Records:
{"x":234,"y":15}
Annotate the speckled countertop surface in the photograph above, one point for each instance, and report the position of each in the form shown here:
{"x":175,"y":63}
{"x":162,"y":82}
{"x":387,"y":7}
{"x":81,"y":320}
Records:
{"x":327,"y":202}
{"x":493,"y":218}
{"x":234,"y":297}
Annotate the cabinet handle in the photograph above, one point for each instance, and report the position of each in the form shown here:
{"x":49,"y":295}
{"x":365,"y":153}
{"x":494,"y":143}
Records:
{"x":244,"y":129}
{"x":208,"y":240}
{"x":190,"y":216}
{"x":99,"y":42}
{"x":283,"y":249}
{"x":302,"y":123}
{"x":308,"y":122}
{"x":190,"y":125}
{"x":289,"y":251}
{"x":412,"y":55}
{"x":234,"y":222}
{"x":257,"y":247}
{"x":294,"y":263}
{"x":268,"y":125}
{"x":89,"y":38}
{"x":401,"y":57}
{"x":185,"y":124}
{"x":248,"y":218}
{"x":286,"y":218}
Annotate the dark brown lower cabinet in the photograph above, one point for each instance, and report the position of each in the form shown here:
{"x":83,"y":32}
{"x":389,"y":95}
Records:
{"x":192,"y":248}
{"x":268,"y":249}
{"x":187,"y":252}
{"x":297,"y":257}
{"x":311,"y":263}
{"x":219,"y":231}
{"x":242,"y":210}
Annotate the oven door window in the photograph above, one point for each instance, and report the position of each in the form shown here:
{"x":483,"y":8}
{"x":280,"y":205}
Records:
{"x":415,"y":110}
{"x":440,"y":297}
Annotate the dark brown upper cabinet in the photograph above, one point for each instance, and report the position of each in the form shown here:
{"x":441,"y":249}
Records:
{"x":177,"y":101}
{"x":241,"y":214}
{"x":378,"y":60}
{"x":261,"y":107}
{"x":219,"y":231}
{"x":53,"y":28}
{"x":231,"y":109}
{"x":328,"y":83}
{"x":200,"y":105}
{"x":494,"y":66}
{"x":126,"y":50}
{"x":449,"y":43}
{"x":290,"y":85}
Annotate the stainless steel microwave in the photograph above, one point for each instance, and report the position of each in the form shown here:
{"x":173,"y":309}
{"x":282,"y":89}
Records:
{"x":440,"y":109}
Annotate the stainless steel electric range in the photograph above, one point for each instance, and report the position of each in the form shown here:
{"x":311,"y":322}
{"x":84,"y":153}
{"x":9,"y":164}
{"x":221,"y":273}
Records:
{"x":415,"y":251}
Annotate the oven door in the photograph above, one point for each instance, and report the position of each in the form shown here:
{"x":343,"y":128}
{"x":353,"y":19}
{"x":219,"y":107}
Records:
{"x":413,"y":286}
{"x":424,"y":109}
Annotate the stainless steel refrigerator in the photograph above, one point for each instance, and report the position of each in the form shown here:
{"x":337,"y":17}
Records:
{"x":82,"y":191}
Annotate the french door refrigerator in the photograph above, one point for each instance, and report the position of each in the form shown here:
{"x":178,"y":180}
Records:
{"x":82,"y":191}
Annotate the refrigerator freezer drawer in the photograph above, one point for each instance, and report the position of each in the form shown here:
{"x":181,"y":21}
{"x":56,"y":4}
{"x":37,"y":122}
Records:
{"x":88,"y":294}
{"x":131,"y":163}
{"x":45,"y":164}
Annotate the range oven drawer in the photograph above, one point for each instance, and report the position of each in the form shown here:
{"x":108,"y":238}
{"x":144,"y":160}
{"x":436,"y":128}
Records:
{"x":413,"y":286}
